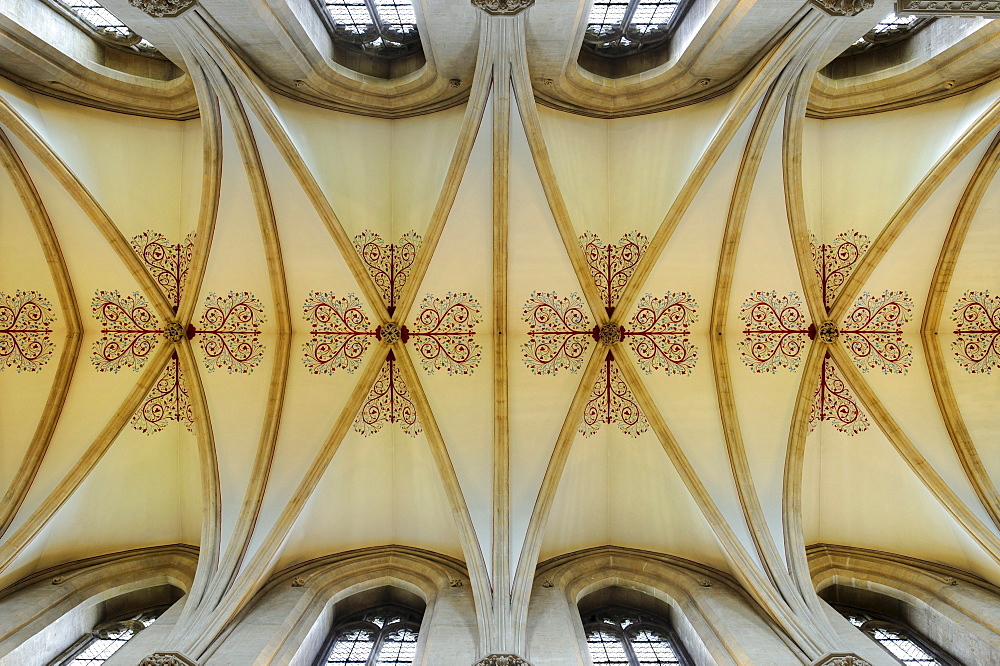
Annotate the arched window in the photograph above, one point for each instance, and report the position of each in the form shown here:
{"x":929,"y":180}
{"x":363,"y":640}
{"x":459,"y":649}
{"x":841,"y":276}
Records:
{"x":93,"y":17}
{"x":618,"y":28}
{"x":890,"y":30}
{"x":376,"y":637}
{"x":626,"y":637}
{"x":380,"y":28}
{"x":107,"y":638}
{"x":900,"y":641}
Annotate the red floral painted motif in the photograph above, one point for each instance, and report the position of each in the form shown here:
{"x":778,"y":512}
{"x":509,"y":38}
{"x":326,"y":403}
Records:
{"x":229,"y":333}
{"x":443,"y":333}
{"x":25,"y":324}
{"x":612,"y":402}
{"x":775,"y":333}
{"x":612,"y":265}
{"x":388,"y":264}
{"x":977,"y":348}
{"x":129,"y":331}
{"x":167,"y":262}
{"x":659,"y":333}
{"x":833,"y":402}
{"x":559,"y":333}
{"x":167,"y":401}
{"x":835,"y":261}
{"x":873,"y":332}
{"x":388,"y":401}
{"x":341,"y":333}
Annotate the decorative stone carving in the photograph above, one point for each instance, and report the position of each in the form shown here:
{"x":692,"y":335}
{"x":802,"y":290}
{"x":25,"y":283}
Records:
{"x":390,"y":333}
{"x":502,"y":660}
{"x":167,"y":659}
{"x":163,"y":8}
{"x":610,"y":333}
{"x":987,"y":8}
{"x":828,"y":332}
{"x":173,"y":332}
{"x":842,"y":7}
{"x":841,"y":659}
{"x":500,"y":7}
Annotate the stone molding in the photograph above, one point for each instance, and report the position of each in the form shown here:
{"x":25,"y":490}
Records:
{"x":502,"y":660}
{"x":500,"y":7}
{"x":167,"y":659}
{"x":163,"y":8}
{"x":987,"y":8}
{"x":841,"y":7}
{"x":841,"y":659}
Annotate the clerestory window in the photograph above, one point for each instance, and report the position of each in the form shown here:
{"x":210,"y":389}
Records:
{"x":380,"y":28}
{"x":626,"y":637}
{"x":107,"y":638}
{"x":619,"y":28}
{"x":891,"y":29}
{"x":376,"y":637}
{"x":93,"y":17}
{"x":901,"y":642}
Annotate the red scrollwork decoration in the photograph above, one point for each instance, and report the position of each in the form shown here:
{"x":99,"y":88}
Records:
{"x":559,"y":333}
{"x":775,"y":333}
{"x":612,"y":265}
{"x":977,"y":347}
{"x":25,"y":325}
{"x":167,"y":262}
{"x":443,"y":333}
{"x":129,"y":331}
{"x":167,"y":401}
{"x":229,"y":332}
{"x":873,"y":332}
{"x":834,"y":403}
{"x":611,"y":402}
{"x":341,"y":333}
{"x":835,"y":261}
{"x":388,"y":264}
{"x":659,"y":333}
{"x":388,"y":401}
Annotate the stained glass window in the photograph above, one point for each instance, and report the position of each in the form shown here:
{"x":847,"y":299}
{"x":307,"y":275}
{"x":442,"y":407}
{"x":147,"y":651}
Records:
{"x":385,"y":28}
{"x":623,"y":27}
{"x":897,"y":640}
{"x":381,"y":636}
{"x":106,"y":639}
{"x":106,"y":24}
{"x":625,"y":637}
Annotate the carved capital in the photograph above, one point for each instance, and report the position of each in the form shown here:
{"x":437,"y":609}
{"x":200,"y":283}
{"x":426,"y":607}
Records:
{"x":841,"y":659}
{"x":987,"y":8}
{"x":843,"y":7}
{"x":163,"y":8}
{"x":167,"y":659}
{"x":502,"y":660}
{"x":501,"y":7}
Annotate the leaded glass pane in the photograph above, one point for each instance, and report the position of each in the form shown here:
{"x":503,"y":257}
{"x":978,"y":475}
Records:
{"x":652,"y":647}
{"x":623,"y":27}
{"x":354,"y":647}
{"x":893,"y":22}
{"x":95,"y":14}
{"x":98,"y":651}
{"x":378,"y":27}
{"x":398,"y":647}
{"x":606,"y":648}
{"x":901,"y":647}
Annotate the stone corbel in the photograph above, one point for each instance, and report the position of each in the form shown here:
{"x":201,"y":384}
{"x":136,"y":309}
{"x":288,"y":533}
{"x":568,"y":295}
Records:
{"x":502,"y":660}
{"x":842,"y":7}
{"x":167,"y":659}
{"x":500,"y":7}
{"x":163,"y":8}
{"x":841,"y":659}
{"x":986,"y":8}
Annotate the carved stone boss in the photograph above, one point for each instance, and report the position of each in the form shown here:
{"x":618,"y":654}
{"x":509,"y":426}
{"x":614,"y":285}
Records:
{"x":500,"y":7}
{"x":843,"y":7}
{"x":167,"y":659}
{"x":502,"y":660}
{"x":163,"y":8}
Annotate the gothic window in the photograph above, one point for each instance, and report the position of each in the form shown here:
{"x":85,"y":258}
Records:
{"x":377,"y":637}
{"x":618,"y":28}
{"x":890,"y":30}
{"x":381,"y":28}
{"x":106,"y":639}
{"x":900,"y":641}
{"x":625,"y":637}
{"x":96,"y":19}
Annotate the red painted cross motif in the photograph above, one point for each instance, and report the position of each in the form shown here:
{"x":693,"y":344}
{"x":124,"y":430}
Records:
{"x":977,"y":347}
{"x":775,"y":333}
{"x":834,"y":403}
{"x":835,"y":261}
{"x":659,"y":333}
{"x":167,"y":262}
{"x":25,"y":324}
{"x":341,"y":333}
{"x":388,"y":264}
{"x":129,"y":331}
{"x":229,"y":332}
{"x":167,"y":401}
{"x":611,"y":402}
{"x":612,"y":265}
{"x":388,"y":401}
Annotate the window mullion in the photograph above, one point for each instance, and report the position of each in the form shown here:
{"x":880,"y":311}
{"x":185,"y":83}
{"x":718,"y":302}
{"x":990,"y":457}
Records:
{"x":629,"y":15}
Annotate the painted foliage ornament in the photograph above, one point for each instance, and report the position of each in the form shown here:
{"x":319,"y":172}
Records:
{"x":843,"y":7}
{"x":502,"y":660}
{"x":163,"y":8}
{"x":502,"y":7}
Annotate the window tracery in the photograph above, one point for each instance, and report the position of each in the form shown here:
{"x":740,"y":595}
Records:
{"x":618,"y":28}
{"x":106,"y":639}
{"x":891,"y":29}
{"x":377,"y":637}
{"x":104,"y":25}
{"x":624,"y":637}
{"x":901,"y":642}
{"x":382,"y":28}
